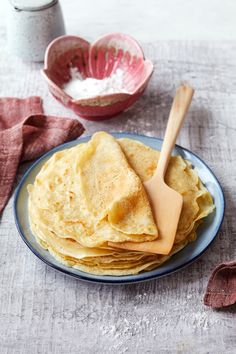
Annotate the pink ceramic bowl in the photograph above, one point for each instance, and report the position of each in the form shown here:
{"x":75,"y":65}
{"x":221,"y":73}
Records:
{"x":98,"y":60}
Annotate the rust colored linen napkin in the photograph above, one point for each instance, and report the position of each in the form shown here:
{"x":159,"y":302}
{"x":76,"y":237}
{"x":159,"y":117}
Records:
{"x":221,"y":288}
{"x":26,"y":133}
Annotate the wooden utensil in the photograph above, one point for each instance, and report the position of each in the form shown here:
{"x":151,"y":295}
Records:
{"x":166,"y":203}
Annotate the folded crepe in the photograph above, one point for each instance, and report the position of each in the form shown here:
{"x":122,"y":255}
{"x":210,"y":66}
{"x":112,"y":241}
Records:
{"x":181,"y":177}
{"x":90,"y":194}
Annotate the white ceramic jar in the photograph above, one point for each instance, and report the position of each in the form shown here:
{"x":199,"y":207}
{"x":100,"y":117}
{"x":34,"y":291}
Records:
{"x":32,"y":25}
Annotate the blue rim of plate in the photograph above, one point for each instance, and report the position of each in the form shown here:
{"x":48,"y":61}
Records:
{"x":127,"y":279}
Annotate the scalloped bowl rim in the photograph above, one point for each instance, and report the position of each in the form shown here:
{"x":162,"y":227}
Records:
{"x":82,"y":101}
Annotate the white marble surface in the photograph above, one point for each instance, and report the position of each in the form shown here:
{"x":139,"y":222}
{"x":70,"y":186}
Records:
{"x":149,"y":20}
{"x":43,"y":311}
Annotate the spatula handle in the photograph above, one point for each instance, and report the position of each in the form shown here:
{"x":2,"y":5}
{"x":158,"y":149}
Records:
{"x":178,"y":112}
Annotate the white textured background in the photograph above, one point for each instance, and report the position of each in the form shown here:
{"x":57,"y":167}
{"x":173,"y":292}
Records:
{"x":149,"y":19}
{"x":43,"y":311}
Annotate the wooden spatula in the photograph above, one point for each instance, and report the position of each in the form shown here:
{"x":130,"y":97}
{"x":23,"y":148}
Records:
{"x":166,"y":203}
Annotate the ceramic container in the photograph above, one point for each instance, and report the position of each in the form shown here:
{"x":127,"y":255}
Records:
{"x":31,"y":26}
{"x":98,"y":60}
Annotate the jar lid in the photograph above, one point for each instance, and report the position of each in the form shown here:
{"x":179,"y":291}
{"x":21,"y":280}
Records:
{"x":32,"y":5}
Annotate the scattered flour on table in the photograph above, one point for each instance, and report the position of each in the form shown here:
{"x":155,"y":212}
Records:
{"x":79,"y":88}
{"x":140,"y":326}
{"x":200,"y":320}
{"x":125,"y":330}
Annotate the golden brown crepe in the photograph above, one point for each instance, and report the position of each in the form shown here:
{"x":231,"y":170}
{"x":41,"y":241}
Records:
{"x":89,"y":199}
{"x":90,"y":194}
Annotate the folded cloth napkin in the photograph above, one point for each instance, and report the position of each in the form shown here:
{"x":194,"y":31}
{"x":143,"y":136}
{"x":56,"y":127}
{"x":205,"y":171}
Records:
{"x":26,"y":133}
{"x":221,"y":288}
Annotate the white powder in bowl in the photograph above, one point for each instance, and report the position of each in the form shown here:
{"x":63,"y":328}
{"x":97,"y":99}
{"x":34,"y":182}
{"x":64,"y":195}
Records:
{"x":79,"y":88}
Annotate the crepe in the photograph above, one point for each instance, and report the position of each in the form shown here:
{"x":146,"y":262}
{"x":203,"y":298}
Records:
{"x":180,"y":176}
{"x":89,"y":201}
{"x":90,"y":194}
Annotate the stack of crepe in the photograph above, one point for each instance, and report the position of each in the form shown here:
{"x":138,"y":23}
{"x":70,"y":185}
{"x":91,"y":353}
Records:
{"x":89,"y":209}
